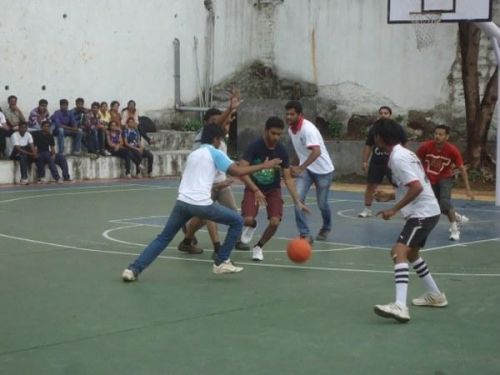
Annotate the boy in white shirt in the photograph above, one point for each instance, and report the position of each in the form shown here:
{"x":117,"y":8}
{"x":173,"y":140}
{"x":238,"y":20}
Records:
{"x":421,"y":211}
{"x":315,"y":167}
{"x":23,"y":151}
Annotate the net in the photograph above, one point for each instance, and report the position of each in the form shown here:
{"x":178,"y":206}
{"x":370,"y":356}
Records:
{"x":425,"y":27}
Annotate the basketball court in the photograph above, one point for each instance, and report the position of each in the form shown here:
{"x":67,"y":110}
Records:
{"x":65,"y":304}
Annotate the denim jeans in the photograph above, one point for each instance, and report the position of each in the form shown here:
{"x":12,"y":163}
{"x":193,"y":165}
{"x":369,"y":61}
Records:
{"x":60,"y":133}
{"x":322,"y":183}
{"x":45,"y":157}
{"x":180,"y":215}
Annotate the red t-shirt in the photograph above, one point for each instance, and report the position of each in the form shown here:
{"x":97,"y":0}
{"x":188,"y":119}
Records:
{"x":439,"y":164}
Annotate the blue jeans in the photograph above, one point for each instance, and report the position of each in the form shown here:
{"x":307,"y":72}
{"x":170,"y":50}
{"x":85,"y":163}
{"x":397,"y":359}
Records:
{"x":77,"y":139}
{"x":180,"y":215}
{"x":322,"y":183}
{"x":45,"y":157}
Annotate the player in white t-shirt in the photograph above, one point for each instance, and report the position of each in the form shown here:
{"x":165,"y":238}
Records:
{"x":195,"y":200}
{"x":315,"y":168}
{"x":421,"y":211}
{"x":24,"y":151}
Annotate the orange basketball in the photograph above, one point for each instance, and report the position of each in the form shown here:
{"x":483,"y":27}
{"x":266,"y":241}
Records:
{"x":299,"y":250}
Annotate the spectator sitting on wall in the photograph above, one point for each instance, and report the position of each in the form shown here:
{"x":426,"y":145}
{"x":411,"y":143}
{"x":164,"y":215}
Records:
{"x":132,"y":140}
{"x":13,"y":114}
{"x":105,"y":115}
{"x":114,"y":114}
{"x":4,"y":133}
{"x":38,"y":115}
{"x":116,"y":147}
{"x":131,"y":112}
{"x":64,"y":125}
{"x":96,"y":131}
{"x":45,"y":145}
{"x":24,"y":151}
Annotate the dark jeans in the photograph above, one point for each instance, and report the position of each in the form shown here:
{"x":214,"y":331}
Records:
{"x":124,"y":154}
{"x":24,"y":161}
{"x":45,"y":157}
{"x":94,"y":140}
{"x":60,"y":133}
{"x":180,"y":215}
{"x":4,"y":134}
{"x":138,"y":156}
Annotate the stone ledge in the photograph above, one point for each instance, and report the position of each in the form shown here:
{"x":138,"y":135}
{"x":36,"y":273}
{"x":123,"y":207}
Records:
{"x":166,"y":163}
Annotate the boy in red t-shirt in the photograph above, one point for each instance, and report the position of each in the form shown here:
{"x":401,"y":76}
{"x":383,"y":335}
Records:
{"x":440,"y":158}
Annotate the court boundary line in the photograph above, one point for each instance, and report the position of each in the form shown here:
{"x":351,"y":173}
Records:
{"x":253,"y":264}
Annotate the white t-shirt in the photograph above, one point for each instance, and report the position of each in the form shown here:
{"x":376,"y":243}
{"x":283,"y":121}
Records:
{"x":198,"y":177}
{"x":17,"y":140}
{"x":221,"y":176}
{"x":406,"y":167}
{"x":3,"y":120}
{"x":309,"y":136}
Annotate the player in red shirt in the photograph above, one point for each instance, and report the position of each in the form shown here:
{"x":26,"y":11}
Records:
{"x":440,"y":158}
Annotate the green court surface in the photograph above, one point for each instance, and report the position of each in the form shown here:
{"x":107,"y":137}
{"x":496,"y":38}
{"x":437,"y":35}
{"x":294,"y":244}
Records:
{"x":65,"y":309}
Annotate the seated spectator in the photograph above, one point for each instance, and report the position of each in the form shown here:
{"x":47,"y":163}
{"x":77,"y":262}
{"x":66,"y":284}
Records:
{"x":24,"y":151}
{"x":132,"y":140}
{"x":45,"y":145}
{"x":105,"y":115}
{"x":79,"y":113}
{"x":4,"y":133}
{"x":95,"y":133}
{"x":13,"y":114}
{"x":131,"y":112}
{"x":38,"y":115}
{"x":116,"y":147}
{"x":65,"y":125}
{"x":114,"y":114}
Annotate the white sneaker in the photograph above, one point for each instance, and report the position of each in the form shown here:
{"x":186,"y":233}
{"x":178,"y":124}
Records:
{"x":226,"y":267}
{"x":393,"y":310}
{"x":461,"y":219}
{"x":247,"y":234}
{"x":454,"y":235}
{"x":257,"y":254}
{"x":128,"y":275}
{"x":365,"y":213}
{"x":429,"y":299}
{"x":24,"y":182}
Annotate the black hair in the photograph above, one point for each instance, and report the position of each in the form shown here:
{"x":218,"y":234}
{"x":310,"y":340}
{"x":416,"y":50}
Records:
{"x":79,"y":100}
{"x":114,"y":102}
{"x":388,"y":130}
{"x":43,"y":101}
{"x":446,"y":128}
{"x":102,"y":103}
{"x":63,"y":101}
{"x":387,"y":108}
{"x":210,"y":132}
{"x":94,"y":104}
{"x":294,"y":104}
{"x":211,"y":112}
{"x":45,"y":122}
{"x":274,"y":122}
{"x":11,"y":97}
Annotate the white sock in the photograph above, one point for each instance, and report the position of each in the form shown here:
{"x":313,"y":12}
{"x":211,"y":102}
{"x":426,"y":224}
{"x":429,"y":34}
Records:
{"x":401,"y":280}
{"x":454,"y":226}
{"x":423,"y":272}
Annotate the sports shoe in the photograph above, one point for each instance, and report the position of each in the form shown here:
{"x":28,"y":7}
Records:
{"x":307,"y":238}
{"x":454,"y":235}
{"x":226,"y":267}
{"x":430,"y":299}
{"x":247,"y":234}
{"x":461,"y":219}
{"x":24,"y":181}
{"x":128,"y":275}
{"x":365,"y":213}
{"x":189,"y":248}
{"x":393,"y":310}
{"x":322,"y":235}
{"x":257,"y":254}
{"x":241,"y":246}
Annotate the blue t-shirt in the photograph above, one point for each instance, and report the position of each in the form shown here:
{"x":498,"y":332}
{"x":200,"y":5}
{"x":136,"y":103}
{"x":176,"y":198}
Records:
{"x":256,"y":153}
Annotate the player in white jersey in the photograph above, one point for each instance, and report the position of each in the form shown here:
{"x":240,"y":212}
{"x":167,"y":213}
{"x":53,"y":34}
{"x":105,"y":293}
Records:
{"x":421,"y":211}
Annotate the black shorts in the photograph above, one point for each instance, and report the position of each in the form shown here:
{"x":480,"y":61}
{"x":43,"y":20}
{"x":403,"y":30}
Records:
{"x":376,"y":173}
{"x":416,"y":231}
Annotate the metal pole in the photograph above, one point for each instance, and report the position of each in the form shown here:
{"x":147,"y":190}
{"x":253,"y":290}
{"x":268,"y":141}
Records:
{"x":177,"y":72}
{"x":494,"y":41}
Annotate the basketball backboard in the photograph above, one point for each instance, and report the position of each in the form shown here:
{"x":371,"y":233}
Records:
{"x":399,"y":11}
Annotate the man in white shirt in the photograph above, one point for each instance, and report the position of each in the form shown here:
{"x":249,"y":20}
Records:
{"x":194,"y":200}
{"x":421,"y":211}
{"x":315,"y":167}
{"x":24,"y":151}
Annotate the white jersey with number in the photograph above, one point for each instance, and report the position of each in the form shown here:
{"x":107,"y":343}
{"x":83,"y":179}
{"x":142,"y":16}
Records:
{"x":406,"y":168}
{"x":309,"y":136}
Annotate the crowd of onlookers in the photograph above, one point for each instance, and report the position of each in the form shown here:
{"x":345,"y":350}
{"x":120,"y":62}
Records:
{"x":102,"y":131}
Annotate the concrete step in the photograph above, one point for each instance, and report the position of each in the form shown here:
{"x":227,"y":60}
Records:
{"x":166,"y":163}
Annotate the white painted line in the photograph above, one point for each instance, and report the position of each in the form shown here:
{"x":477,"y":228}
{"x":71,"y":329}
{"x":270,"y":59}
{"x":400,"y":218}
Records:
{"x":460,"y":244}
{"x":253,"y":264}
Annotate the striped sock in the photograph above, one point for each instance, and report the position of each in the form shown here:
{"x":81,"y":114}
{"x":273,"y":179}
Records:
{"x":422,"y":271}
{"x":401,"y":280}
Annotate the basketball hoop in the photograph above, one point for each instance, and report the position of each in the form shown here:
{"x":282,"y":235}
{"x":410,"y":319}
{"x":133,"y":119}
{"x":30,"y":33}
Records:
{"x":425,"y":27}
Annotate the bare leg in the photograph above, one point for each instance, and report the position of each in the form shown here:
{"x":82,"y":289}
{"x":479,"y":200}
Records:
{"x":271,"y":229}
